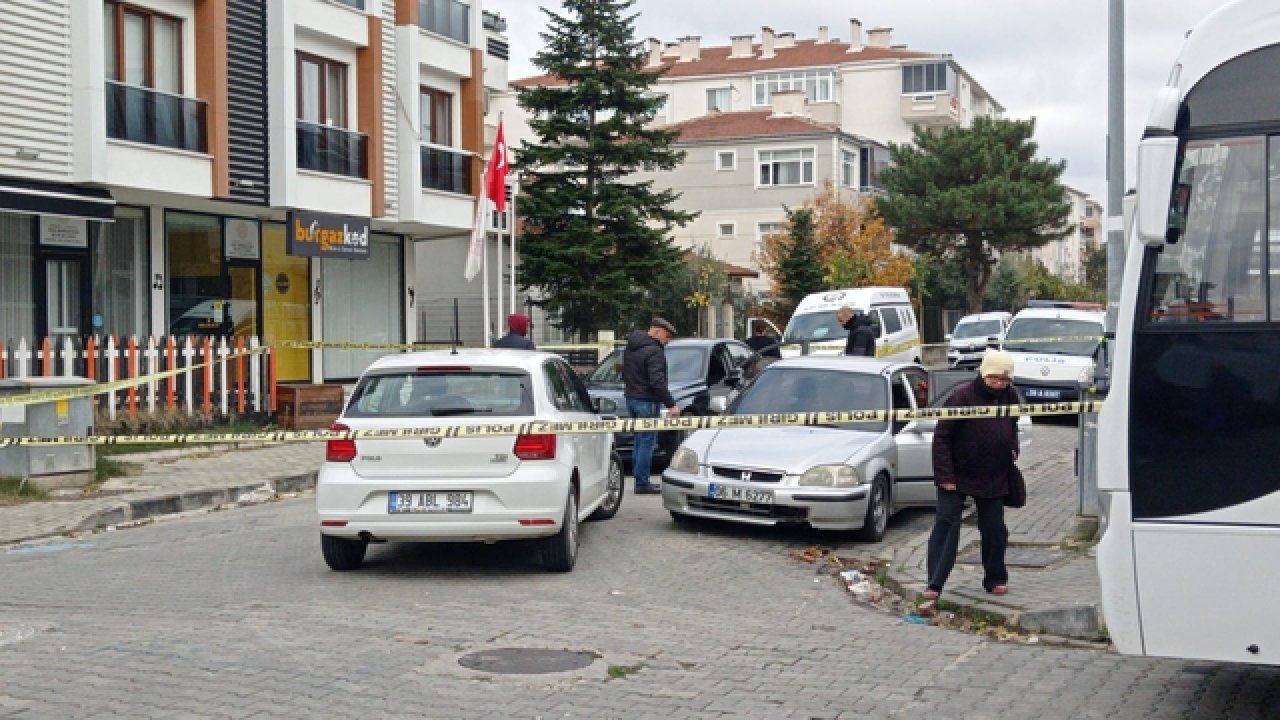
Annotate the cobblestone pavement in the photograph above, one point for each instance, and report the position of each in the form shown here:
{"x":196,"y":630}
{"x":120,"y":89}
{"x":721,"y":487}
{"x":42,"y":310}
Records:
{"x":234,"y":614}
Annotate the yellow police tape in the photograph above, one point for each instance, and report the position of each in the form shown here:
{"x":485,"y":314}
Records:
{"x":499,"y":429}
{"x":333,"y":345}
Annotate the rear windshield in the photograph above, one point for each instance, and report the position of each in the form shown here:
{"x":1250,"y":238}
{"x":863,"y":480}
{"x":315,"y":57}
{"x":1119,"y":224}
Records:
{"x":977,"y":328}
{"x":684,"y":365}
{"x":424,"y":393}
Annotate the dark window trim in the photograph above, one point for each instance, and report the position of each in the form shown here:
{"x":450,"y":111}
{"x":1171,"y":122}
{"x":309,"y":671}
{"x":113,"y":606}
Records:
{"x":121,"y":9}
{"x":438,"y":95}
{"x":324,"y":64}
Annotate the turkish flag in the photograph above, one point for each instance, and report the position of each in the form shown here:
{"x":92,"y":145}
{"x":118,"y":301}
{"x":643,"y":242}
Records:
{"x":495,"y":173}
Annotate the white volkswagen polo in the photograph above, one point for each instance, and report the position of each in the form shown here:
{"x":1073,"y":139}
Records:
{"x":481,"y":489}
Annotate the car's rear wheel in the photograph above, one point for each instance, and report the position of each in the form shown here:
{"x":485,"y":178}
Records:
{"x":877,"y":520}
{"x":560,"y":551}
{"x":343,"y":554}
{"x":613,"y":486}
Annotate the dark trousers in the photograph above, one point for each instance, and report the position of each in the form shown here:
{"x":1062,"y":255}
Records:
{"x":944,"y":541}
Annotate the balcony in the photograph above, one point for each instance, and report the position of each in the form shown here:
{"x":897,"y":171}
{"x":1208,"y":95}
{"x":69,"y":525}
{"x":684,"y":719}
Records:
{"x":936,"y":109}
{"x":332,"y":150}
{"x":446,"y":169}
{"x":449,"y":18}
{"x":153,"y":117}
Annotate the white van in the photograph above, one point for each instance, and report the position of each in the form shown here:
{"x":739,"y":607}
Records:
{"x":1053,"y":351}
{"x":890,"y":311}
{"x":971,"y":336}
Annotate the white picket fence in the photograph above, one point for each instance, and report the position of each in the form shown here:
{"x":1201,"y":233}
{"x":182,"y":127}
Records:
{"x":236,"y":377}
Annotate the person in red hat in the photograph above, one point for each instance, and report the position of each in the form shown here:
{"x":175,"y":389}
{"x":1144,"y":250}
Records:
{"x":518,"y":337}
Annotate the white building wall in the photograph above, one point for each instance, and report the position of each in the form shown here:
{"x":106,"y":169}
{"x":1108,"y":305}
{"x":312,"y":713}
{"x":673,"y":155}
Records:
{"x":871,"y":105}
{"x":390,"y":114}
{"x":35,"y":89}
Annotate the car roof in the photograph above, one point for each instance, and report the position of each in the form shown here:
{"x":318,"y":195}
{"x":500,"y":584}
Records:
{"x":843,"y":363}
{"x":488,"y":357}
{"x":994,"y":315}
{"x":1063,"y":314}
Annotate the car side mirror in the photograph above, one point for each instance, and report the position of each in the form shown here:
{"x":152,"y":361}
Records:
{"x":718,"y":404}
{"x":605,"y":406}
{"x":734,"y":378}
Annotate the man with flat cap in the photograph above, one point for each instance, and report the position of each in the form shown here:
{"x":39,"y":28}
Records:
{"x":644,"y":384}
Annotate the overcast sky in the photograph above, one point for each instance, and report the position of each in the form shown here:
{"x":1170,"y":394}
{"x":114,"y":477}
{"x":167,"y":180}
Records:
{"x":1045,"y":59}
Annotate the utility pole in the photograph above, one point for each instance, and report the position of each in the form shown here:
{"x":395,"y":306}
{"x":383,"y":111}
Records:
{"x":1115,"y":159}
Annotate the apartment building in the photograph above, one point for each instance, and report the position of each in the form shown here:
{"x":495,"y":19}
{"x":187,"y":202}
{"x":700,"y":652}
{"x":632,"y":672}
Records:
{"x":1066,"y":257}
{"x":841,"y":102}
{"x":235,"y":167}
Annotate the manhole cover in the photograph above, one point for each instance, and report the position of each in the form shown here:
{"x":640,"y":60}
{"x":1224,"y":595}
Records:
{"x":526,"y":661}
{"x":1028,"y":557}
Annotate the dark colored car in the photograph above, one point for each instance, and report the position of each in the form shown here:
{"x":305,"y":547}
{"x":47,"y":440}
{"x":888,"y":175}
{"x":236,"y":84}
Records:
{"x":697,"y":370}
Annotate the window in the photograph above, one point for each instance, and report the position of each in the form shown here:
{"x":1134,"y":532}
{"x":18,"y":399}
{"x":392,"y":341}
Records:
{"x":726,"y":229}
{"x":120,"y":273}
{"x":143,"y":48}
{"x":889,"y":321}
{"x":363,"y":302}
{"x":927,"y":78}
{"x":785,"y":167}
{"x":1088,"y":211}
{"x":872,"y":162}
{"x":848,"y":168}
{"x":726,"y":160}
{"x":322,"y":91}
{"x":17,"y":277}
{"x":764,"y":230}
{"x":719,"y":99}
{"x":816,"y":84}
{"x":660,"y":109}
{"x":436,"y":115}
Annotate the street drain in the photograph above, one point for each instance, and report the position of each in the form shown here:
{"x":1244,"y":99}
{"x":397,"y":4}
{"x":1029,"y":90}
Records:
{"x":1027,"y":557}
{"x":526,"y":661}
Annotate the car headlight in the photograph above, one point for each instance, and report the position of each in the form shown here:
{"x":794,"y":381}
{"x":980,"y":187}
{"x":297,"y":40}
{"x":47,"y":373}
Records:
{"x":830,"y":476}
{"x":684,"y":460}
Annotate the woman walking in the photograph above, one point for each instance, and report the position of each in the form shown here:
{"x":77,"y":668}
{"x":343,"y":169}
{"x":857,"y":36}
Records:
{"x":975,"y":458}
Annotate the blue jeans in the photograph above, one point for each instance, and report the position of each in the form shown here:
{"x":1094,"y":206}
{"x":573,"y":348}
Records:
{"x":642,"y":450}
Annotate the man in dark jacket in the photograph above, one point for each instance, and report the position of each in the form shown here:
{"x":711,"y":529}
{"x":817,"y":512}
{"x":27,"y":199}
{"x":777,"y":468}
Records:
{"x":974,"y":458}
{"x":862,"y":335}
{"x":762,"y":342}
{"x":644,"y":385}
{"x":517,"y":337}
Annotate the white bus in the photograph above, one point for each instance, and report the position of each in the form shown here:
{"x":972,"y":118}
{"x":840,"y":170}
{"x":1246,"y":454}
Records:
{"x":1189,"y":436}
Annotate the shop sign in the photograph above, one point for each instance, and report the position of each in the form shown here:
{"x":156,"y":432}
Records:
{"x":243,"y":239}
{"x":64,"y":231}
{"x":323,"y":235}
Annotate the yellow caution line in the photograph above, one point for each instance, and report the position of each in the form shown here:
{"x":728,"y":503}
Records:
{"x":629,"y":425}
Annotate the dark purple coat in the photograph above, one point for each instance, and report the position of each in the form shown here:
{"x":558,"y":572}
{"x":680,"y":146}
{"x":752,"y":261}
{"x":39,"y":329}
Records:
{"x":977,"y":455}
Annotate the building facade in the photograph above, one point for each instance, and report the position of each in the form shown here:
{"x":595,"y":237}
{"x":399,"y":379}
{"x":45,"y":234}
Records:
{"x":1066,"y":257}
{"x":235,"y":168}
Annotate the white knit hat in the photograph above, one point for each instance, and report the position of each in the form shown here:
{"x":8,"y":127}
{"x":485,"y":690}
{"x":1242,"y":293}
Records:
{"x":996,"y":362}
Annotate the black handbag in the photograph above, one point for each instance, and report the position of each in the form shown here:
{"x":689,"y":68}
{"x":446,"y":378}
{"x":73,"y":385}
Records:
{"x":1017,"y":496}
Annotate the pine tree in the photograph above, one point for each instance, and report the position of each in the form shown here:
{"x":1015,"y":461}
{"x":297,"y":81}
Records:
{"x":966,"y":195}
{"x":596,"y":244}
{"x":799,"y":269}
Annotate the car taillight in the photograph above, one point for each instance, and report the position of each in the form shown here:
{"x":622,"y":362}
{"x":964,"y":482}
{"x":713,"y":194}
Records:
{"x":535,"y":447}
{"x":340,"y":450}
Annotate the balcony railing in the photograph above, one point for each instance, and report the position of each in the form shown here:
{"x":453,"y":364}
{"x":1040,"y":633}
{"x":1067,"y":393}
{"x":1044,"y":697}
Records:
{"x":143,"y":115}
{"x":357,"y":4}
{"x":445,"y":169}
{"x":333,"y":150}
{"x":446,"y":17}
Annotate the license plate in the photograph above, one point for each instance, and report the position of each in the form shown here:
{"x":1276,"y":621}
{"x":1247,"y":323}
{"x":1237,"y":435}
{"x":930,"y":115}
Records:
{"x":739,"y":493}
{"x":1043,"y":393}
{"x":429,"y":502}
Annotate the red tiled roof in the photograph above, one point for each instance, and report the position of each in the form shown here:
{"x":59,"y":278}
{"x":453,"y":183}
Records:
{"x":805,"y":53}
{"x":746,"y":123}
{"x":729,"y":269}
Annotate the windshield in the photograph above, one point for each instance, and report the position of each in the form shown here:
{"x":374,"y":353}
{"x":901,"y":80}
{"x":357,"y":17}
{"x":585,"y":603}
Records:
{"x":816,"y":327}
{"x":1053,"y":335}
{"x":791,"y":389}
{"x":684,"y":365}
{"x":977,"y":328}
{"x":416,"y":393}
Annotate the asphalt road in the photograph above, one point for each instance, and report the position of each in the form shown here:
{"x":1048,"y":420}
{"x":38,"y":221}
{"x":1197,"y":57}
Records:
{"x":234,"y":614}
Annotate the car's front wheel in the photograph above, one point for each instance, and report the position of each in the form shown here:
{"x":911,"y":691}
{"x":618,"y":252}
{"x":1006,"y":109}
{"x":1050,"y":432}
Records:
{"x":343,"y":554}
{"x":613,"y":485}
{"x":877,"y":520}
{"x":560,"y":551}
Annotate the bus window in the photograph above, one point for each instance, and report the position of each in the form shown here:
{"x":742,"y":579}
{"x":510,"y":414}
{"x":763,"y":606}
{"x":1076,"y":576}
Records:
{"x":1273,"y":277}
{"x":1213,"y":270}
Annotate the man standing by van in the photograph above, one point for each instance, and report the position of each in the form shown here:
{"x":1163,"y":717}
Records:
{"x":862,"y":338}
{"x":644,"y":384}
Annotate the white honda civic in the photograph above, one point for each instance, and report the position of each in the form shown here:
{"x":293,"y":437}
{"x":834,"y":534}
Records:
{"x":482,"y":489}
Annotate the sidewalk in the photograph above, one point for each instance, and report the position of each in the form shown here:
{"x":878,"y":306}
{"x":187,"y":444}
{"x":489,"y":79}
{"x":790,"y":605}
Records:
{"x":1052,"y":589}
{"x":172,"y":481}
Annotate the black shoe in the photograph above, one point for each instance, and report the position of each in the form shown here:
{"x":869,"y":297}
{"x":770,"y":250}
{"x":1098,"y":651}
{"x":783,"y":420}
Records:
{"x":648,"y":490}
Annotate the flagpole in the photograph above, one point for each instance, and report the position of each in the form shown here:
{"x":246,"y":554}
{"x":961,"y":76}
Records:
{"x":500,"y":331}
{"x":511,"y":225}
{"x":484,"y":270}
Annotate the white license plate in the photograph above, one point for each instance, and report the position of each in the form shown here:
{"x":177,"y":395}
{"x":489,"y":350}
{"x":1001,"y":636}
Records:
{"x":739,"y":493}
{"x":1043,"y":394}
{"x":429,"y":502}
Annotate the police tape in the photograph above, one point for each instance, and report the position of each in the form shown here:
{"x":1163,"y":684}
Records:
{"x":579,"y":427}
{"x":69,"y":393}
{"x":338,"y":345}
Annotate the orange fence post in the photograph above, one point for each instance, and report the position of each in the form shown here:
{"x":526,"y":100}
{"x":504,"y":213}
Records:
{"x":2,"y":354}
{"x":240,"y":376}
{"x":90,"y":358}
{"x":171,"y":383}
{"x":47,"y":365}
{"x":133,"y":373}
{"x":208,"y":376}
{"x":271,"y":377}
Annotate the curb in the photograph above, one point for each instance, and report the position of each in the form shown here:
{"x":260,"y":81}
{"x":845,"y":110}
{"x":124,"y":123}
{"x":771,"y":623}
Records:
{"x":169,"y":504}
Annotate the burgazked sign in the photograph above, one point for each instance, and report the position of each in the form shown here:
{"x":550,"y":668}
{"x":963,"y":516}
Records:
{"x":323,"y":235}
